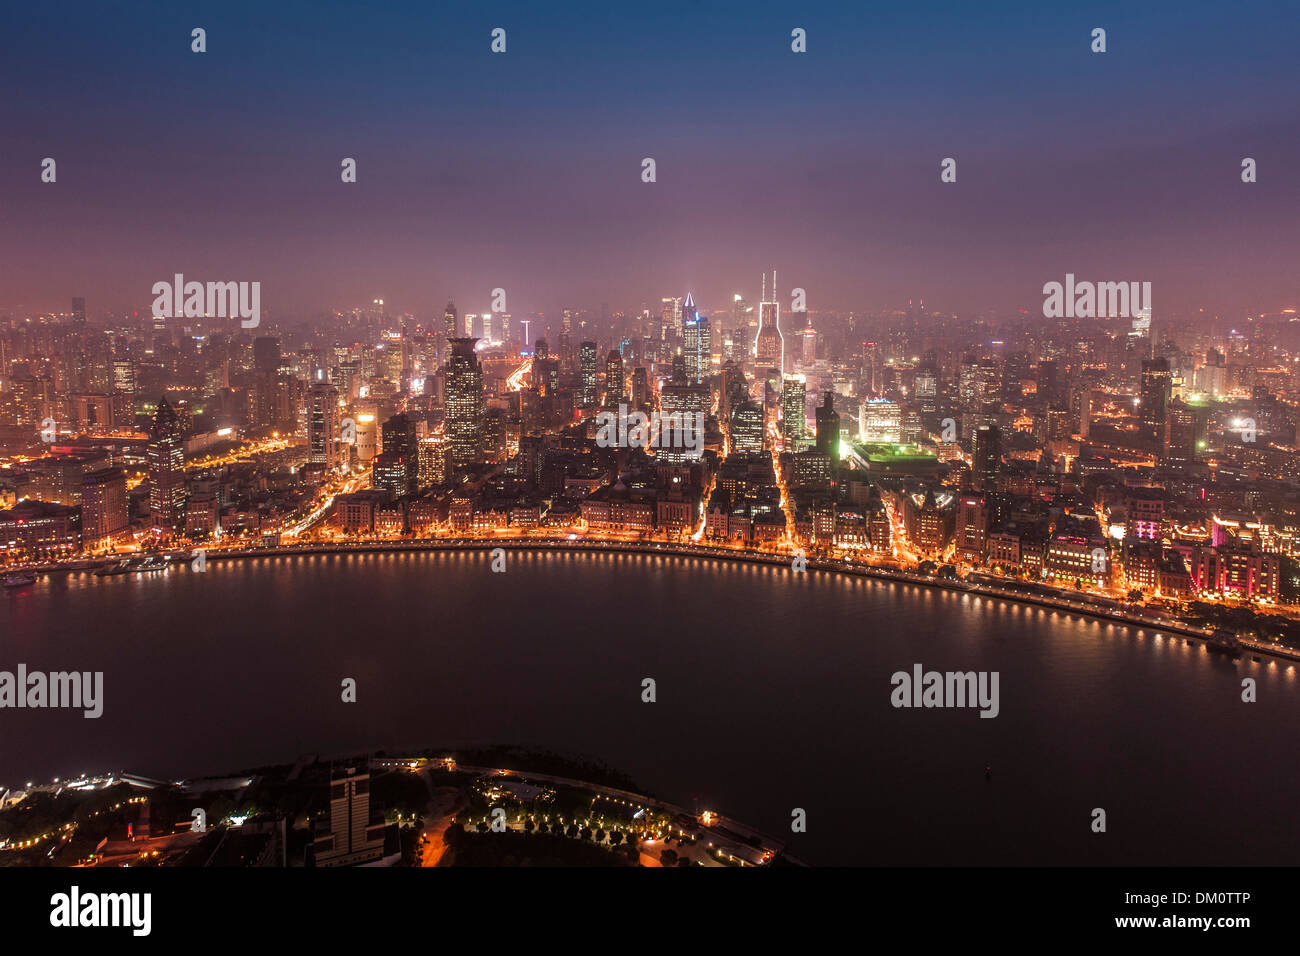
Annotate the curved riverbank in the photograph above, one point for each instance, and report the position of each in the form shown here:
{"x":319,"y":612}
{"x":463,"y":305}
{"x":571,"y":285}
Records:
{"x":855,"y":569}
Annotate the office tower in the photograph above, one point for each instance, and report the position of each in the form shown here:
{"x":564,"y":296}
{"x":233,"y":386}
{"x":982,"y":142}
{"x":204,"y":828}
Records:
{"x":747,"y":427}
{"x":450,"y":321}
{"x":671,"y":315}
{"x":1188,"y":428}
{"x":541,"y":351}
{"x":971,"y":529}
{"x":828,"y":428}
{"x":464,"y":422}
{"x":399,"y":460}
{"x":614,"y":381}
{"x":323,"y":426}
{"x":1049,"y":382}
{"x":165,"y":455}
{"x":640,"y":387}
{"x":986,"y":457}
{"x":880,"y":420}
{"x":1156,"y":384}
{"x":354,"y":835}
{"x":104,"y":507}
{"x":794,"y":423}
{"x":927,"y":390}
{"x":78,"y":311}
{"x":266,"y":354}
{"x":697,"y":346}
{"x":432,"y":455}
{"x":587,"y":369}
{"x":738,"y":338}
{"x":769,"y":344}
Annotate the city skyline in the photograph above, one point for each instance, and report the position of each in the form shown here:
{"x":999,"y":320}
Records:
{"x":462,"y":185}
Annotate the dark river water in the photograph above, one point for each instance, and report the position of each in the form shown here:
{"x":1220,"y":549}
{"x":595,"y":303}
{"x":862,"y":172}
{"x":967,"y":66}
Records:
{"x":773,"y":693}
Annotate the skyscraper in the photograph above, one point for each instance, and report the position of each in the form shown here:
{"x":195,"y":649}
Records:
{"x":614,"y":386}
{"x":828,"y":428}
{"x":104,"y":509}
{"x":697,"y":346}
{"x":986,"y":457}
{"x":166,"y":459}
{"x":587,"y":368}
{"x":794,"y":423}
{"x":1156,"y":386}
{"x":323,"y":426}
{"x":450,"y":318}
{"x":769,"y":344}
{"x":401,"y":457}
{"x":747,"y":427}
{"x":464,"y":422}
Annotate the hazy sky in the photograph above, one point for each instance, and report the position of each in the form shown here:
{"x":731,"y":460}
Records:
{"x":523,"y":170}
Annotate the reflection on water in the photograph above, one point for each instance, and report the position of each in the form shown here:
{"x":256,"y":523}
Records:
{"x":773,"y":693}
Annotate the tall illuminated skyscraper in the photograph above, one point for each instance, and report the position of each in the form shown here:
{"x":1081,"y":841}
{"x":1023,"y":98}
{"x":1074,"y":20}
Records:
{"x":450,"y":318}
{"x":794,"y":424}
{"x":166,"y":459}
{"x":323,"y":425}
{"x":464,"y":420}
{"x":697,"y":344}
{"x":614,"y":386}
{"x":1156,"y":387}
{"x":769,"y":344}
{"x":587,"y":367}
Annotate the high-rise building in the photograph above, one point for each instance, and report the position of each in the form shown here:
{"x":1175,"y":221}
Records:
{"x":166,"y":460}
{"x":880,"y":420}
{"x":1188,"y":427}
{"x":748,"y":429}
{"x":794,"y":417}
{"x":266,"y":354}
{"x":986,"y":457}
{"x":104,"y":507}
{"x":464,"y":421}
{"x":401,"y":457}
{"x":828,"y":428}
{"x":640,"y":387}
{"x":1156,"y":385}
{"x":323,"y":426}
{"x":615,"y":389}
{"x":587,"y":369}
{"x":769,"y":344}
{"x":697,"y":345}
{"x":432,"y":455}
{"x":354,"y":835}
{"x":971,"y":529}
{"x":450,"y":321}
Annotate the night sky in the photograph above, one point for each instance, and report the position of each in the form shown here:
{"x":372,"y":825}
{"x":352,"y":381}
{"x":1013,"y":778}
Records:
{"x":523,"y":170}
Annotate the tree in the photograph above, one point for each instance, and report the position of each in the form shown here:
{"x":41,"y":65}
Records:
{"x":453,"y":834}
{"x":668,"y":857}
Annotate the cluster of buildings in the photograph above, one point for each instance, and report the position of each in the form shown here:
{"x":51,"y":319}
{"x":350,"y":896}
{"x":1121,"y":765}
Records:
{"x":1090,"y":453}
